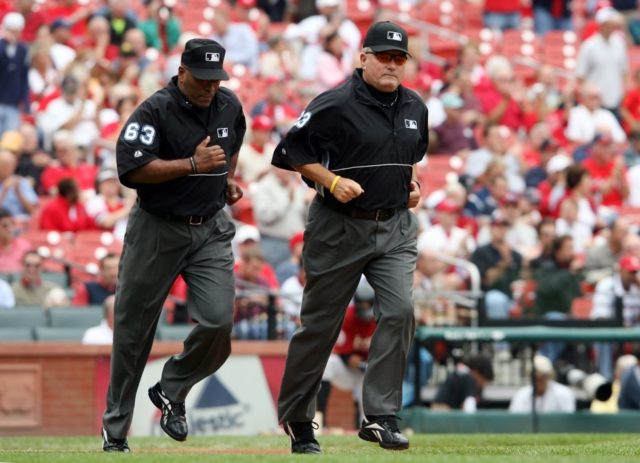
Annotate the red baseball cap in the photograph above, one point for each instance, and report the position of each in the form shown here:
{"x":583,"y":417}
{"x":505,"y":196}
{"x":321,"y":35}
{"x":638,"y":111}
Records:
{"x":262,"y":122}
{"x":448,"y":205}
{"x":629,"y":263}
{"x":296,"y":239}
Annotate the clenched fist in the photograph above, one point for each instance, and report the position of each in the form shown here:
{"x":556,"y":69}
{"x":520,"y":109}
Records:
{"x":346,"y":189}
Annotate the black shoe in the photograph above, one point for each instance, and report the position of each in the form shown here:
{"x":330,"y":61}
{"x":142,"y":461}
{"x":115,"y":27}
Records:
{"x":111,"y":444}
{"x":302,"y":437}
{"x":384,"y":430}
{"x":173,"y":420}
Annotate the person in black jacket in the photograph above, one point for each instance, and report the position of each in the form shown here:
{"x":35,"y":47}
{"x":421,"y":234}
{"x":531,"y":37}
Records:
{"x":179,"y":151}
{"x":357,"y":145}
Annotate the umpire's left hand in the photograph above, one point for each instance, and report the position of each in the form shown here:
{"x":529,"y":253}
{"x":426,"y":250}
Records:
{"x":414,"y":195}
{"x":234,"y":192}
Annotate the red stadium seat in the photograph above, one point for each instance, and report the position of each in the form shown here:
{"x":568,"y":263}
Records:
{"x":581,"y":308}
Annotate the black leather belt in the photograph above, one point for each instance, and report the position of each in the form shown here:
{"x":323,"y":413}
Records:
{"x":194,"y":220}
{"x":357,"y":213}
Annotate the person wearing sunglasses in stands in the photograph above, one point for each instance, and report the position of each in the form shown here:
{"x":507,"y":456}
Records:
{"x":357,"y":145}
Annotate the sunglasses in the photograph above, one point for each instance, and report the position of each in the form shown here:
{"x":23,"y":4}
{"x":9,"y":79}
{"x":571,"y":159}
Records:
{"x":386,"y":57}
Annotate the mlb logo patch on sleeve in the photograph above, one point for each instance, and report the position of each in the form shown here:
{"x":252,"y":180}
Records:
{"x":223,"y":132}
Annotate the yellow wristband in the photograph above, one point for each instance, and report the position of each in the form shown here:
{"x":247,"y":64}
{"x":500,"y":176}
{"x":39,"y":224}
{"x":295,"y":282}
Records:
{"x":334,"y":183}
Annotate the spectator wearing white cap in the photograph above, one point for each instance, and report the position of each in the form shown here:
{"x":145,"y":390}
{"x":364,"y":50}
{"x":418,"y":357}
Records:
{"x":603,"y":60}
{"x":551,"y":396}
{"x":14,"y":73}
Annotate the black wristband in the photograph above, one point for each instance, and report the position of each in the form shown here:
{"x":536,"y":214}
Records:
{"x":194,"y":169}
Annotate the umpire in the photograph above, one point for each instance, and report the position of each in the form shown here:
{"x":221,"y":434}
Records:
{"x":357,"y":145}
{"x":179,"y":151}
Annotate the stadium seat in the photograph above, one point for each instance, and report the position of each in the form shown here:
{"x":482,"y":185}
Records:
{"x":77,"y":317}
{"x":59,"y":278}
{"x":9,"y":277}
{"x":15,"y":334}
{"x":48,"y":333}
{"x":23,"y":317}
{"x":174,"y":332}
{"x":581,"y":308}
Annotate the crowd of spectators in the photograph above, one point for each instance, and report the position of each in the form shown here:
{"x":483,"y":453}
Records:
{"x":545,"y":167}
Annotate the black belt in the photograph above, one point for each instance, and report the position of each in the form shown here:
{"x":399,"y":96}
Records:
{"x":194,"y":220}
{"x":357,"y":213}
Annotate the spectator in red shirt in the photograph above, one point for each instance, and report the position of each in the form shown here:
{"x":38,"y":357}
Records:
{"x":95,"y":292}
{"x":500,"y":94}
{"x":73,"y":12}
{"x":630,"y":108}
{"x":607,"y":171}
{"x":33,"y":20}
{"x":65,"y":213}
{"x":275,"y":105}
{"x":68,"y":166}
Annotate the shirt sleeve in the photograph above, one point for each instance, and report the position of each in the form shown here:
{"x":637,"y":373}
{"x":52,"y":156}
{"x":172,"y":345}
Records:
{"x":313,"y":134}
{"x":138,"y":142}
{"x":240,"y":128}
{"x":603,"y":300}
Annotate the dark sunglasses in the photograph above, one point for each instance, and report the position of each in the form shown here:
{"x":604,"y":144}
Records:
{"x":386,"y":57}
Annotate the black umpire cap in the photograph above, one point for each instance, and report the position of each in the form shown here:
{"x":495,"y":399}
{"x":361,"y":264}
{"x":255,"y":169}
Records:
{"x":204,"y":58}
{"x":386,"y":36}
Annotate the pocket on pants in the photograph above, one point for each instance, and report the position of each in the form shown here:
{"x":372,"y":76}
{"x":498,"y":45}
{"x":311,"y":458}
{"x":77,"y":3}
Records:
{"x":322,"y":242}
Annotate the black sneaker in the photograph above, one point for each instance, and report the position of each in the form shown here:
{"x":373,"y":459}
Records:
{"x":302,"y":437}
{"x":384,"y":430}
{"x":173,"y":420}
{"x":111,"y":444}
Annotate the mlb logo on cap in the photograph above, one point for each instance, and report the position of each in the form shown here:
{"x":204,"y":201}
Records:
{"x":386,"y":36}
{"x":204,"y":58}
{"x":397,"y":36}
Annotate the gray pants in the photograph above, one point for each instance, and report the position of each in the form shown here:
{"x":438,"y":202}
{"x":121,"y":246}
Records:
{"x":337,"y":251}
{"x":155,"y":253}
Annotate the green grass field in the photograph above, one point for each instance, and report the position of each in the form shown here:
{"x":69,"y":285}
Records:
{"x":474,"y":448}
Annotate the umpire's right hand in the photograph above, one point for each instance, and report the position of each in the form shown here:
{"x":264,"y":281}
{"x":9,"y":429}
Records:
{"x":209,"y":158}
{"x":346,"y":189}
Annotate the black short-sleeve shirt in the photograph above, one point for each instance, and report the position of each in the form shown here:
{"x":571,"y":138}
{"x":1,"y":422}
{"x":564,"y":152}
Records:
{"x":349,"y":132}
{"x":165,"y":126}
